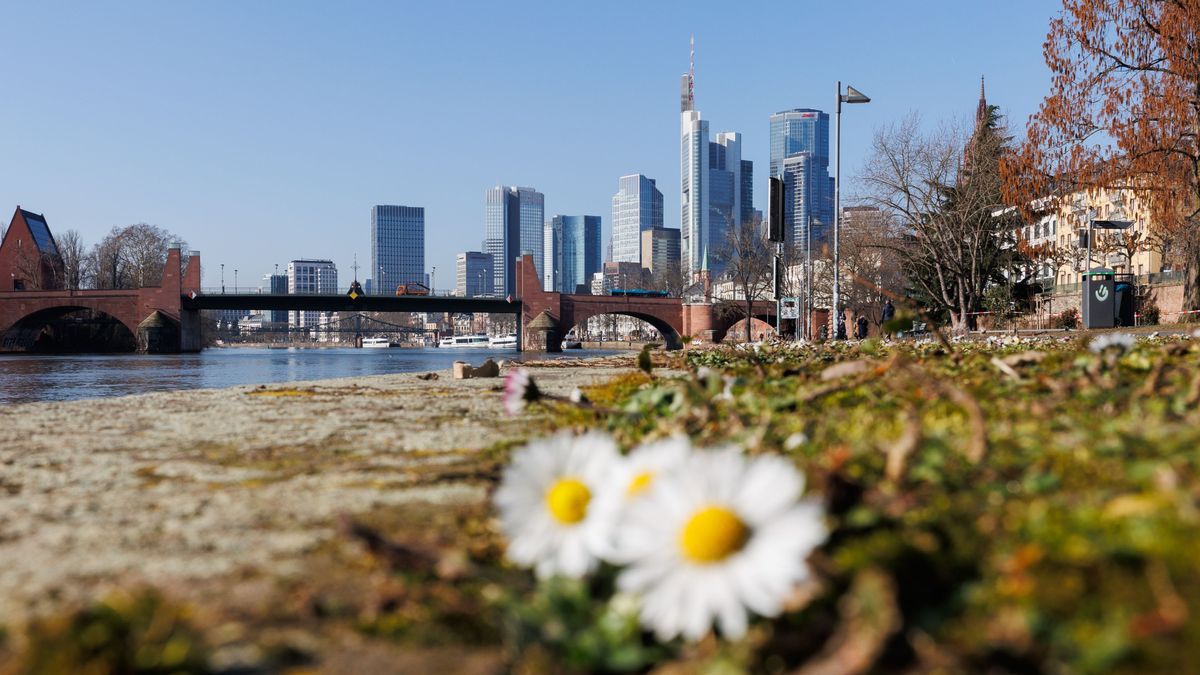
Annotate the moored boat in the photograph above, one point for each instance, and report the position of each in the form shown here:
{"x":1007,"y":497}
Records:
{"x":503,"y":341}
{"x":376,"y":343}
{"x":464,"y":342}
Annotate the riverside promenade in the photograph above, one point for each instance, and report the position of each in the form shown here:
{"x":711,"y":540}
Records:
{"x":197,"y":492}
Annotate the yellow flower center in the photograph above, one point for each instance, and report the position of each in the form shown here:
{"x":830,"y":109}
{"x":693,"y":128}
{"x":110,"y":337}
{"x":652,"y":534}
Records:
{"x":568,"y":500}
{"x":713,"y":534}
{"x":640,"y":483}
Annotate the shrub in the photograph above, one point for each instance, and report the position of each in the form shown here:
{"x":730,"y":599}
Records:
{"x":1069,"y":319}
{"x":1148,"y":313}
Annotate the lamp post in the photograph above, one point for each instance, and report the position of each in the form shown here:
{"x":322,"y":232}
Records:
{"x":382,"y":284}
{"x":235,"y":280}
{"x":433,"y":281}
{"x":222,"y":278}
{"x":852,"y":95}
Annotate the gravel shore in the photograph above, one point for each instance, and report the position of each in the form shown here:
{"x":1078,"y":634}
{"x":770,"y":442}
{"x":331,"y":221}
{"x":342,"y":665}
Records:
{"x":180,"y":488}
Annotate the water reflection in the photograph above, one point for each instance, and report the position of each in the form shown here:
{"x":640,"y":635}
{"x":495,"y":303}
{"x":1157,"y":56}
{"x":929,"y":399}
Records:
{"x":30,"y":377}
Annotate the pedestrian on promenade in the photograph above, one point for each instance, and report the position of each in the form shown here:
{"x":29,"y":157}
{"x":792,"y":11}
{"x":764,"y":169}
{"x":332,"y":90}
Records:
{"x":862,"y":327}
{"x":889,"y":313}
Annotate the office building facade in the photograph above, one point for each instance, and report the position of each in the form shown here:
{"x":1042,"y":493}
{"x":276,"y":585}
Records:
{"x":514,"y":225}
{"x":307,"y":277}
{"x":473,"y":274}
{"x":730,"y":193}
{"x":808,"y":198}
{"x":660,"y":250}
{"x":572,"y":248}
{"x":397,"y":247}
{"x":636,"y":208}
{"x":275,"y":284}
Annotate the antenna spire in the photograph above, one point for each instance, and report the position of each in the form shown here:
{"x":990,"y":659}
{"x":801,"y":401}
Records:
{"x":692,"y":73}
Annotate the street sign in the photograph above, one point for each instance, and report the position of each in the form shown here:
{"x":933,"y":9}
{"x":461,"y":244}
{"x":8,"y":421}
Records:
{"x":789,"y":308}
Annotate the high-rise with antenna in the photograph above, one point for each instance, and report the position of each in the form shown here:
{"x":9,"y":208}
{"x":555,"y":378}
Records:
{"x":694,"y":160}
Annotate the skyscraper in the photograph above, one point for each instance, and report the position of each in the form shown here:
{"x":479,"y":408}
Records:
{"x":803,"y":131}
{"x":275,"y":284}
{"x":660,"y":250}
{"x":694,"y":175}
{"x":572,"y":253}
{"x":730,"y":191}
{"x":637,"y":207}
{"x":473,"y":274}
{"x":514,"y":225}
{"x":397,"y":246}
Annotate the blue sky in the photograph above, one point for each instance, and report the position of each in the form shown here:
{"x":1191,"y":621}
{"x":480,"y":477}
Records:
{"x":265,"y":131}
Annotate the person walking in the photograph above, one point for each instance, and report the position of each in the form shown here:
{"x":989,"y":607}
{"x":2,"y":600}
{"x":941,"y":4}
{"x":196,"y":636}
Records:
{"x":889,"y":313}
{"x":862,"y":327}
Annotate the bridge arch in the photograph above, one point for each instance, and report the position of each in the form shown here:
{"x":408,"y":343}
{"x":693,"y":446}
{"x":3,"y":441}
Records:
{"x":53,"y":328}
{"x":762,"y":319}
{"x":669,"y":333}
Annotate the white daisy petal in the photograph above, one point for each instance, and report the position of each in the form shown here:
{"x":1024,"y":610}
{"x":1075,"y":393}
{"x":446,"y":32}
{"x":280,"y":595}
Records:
{"x":720,"y":534}
{"x":546,"y":503}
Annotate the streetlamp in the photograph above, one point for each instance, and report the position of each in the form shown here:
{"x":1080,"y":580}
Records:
{"x":222,"y":278}
{"x":852,"y":95}
{"x":235,"y":280}
{"x":433,"y":282}
{"x":382,"y":284}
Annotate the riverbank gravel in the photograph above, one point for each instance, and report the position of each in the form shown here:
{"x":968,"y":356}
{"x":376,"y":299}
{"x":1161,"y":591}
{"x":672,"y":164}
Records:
{"x":177,"y":487}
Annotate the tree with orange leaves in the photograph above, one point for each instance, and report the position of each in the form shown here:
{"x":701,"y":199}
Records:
{"x":1123,"y":113}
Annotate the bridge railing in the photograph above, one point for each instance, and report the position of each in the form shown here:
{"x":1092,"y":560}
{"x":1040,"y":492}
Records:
{"x":255,"y":290}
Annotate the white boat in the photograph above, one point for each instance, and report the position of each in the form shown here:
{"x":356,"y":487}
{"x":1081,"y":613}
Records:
{"x":464,"y":342}
{"x":570,"y":341}
{"x":503,"y":341}
{"x":376,"y":343}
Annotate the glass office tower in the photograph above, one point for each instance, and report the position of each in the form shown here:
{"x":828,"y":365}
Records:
{"x":809,"y":195}
{"x":514,"y":225}
{"x":572,"y":250}
{"x":637,"y":207}
{"x":397,"y":247}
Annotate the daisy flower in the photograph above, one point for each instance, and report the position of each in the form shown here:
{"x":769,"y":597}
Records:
{"x":1122,"y":342}
{"x":720,"y":535}
{"x":519,"y":391}
{"x":545,"y":500}
{"x":631,"y":478}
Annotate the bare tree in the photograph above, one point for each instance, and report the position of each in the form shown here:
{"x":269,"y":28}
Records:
{"x":943,"y":192}
{"x":70,"y":247}
{"x":747,"y":259}
{"x":130,"y":257}
{"x":669,"y":278}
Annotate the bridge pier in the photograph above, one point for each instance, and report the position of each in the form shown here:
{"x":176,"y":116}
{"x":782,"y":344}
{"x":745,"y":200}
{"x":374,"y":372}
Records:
{"x":190,"y":340}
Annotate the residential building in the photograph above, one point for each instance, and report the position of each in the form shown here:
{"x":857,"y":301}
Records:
{"x":397,"y":247}
{"x":473,"y":274}
{"x":514,"y":224}
{"x":572,"y":253}
{"x":802,"y":136}
{"x":636,"y":208}
{"x":1057,"y":235}
{"x":660,"y":250}
{"x":308,"y":276}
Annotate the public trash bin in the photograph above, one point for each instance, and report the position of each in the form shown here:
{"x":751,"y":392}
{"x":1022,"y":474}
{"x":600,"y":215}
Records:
{"x":1124,"y":303}
{"x":1099,"y":299}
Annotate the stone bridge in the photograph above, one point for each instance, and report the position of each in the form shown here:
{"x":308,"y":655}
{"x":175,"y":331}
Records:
{"x":153,"y":316}
{"x":671,"y":317}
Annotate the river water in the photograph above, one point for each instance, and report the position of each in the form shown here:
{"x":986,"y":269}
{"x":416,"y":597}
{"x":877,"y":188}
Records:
{"x":36,"y":377}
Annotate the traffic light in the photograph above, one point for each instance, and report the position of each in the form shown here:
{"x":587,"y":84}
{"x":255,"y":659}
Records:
{"x":775,"y":212}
